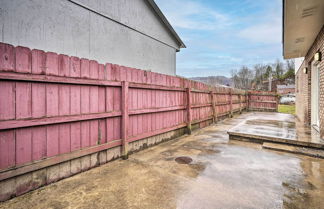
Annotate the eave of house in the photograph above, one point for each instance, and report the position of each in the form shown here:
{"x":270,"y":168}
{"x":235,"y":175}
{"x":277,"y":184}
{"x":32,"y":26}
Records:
{"x":302,"y":21}
{"x":166,"y":23}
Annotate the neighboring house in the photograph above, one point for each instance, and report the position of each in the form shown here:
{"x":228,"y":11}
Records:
{"x":303,"y":36}
{"x":132,"y":33}
{"x":285,"y":89}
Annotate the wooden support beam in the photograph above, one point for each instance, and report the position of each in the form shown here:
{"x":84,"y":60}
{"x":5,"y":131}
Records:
{"x":240,"y":101}
{"x":216,"y":108}
{"x":231,"y":103}
{"x":189,"y":111}
{"x":213,"y":106}
{"x":56,"y":79}
{"x":32,"y":166}
{"x":248,"y":101}
{"x":125,"y":120}
{"x":9,"y":124}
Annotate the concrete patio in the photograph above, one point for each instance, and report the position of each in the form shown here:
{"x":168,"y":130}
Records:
{"x":282,"y":132}
{"x":222,"y":174}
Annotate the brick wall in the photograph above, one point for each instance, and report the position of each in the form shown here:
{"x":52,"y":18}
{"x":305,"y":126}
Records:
{"x":303,"y":82}
{"x":302,"y":95}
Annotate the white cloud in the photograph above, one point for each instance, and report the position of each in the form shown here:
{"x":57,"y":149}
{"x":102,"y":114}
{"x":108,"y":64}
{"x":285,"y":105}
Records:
{"x":264,"y":29}
{"x":188,"y":14}
{"x":263,"y":33}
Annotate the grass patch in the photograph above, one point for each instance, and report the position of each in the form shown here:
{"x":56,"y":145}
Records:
{"x":290,"y":109}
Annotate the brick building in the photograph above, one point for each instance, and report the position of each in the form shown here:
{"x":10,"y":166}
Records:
{"x":303,"y":36}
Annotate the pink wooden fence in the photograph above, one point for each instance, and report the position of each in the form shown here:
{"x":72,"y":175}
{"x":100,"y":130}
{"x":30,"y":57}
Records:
{"x":263,"y":101}
{"x":54,"y":108}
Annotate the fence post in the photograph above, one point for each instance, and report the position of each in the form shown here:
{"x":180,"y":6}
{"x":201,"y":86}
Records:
{"x":231,"y":104}
{"x":189,"y":111}
{"x":240,"y":101}
{"x":277,"y":102}
{"x":247,"y":95}
{"x":125,"y":120}
{"x":213,"y":106}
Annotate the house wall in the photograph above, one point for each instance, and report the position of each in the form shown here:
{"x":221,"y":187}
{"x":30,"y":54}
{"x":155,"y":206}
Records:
{"x":124,"y":32}
{"x":303,"y":81}
{"x":302,"y":107}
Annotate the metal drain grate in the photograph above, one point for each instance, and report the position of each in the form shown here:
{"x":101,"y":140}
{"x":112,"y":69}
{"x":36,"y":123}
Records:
{"x":183,"y":160}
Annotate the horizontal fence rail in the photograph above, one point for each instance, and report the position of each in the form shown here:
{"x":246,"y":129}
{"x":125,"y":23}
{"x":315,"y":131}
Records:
{"x":54,"y":107}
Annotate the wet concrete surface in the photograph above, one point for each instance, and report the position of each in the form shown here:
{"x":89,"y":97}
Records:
{"x":222,"y":174}
{"x":277,"y":126}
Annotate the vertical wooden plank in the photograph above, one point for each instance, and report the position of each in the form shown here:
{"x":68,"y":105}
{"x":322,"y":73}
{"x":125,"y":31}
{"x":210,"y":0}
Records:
{"x":7,"y":100}
{"x":23,"y":59}
{"x":94,"y":69}
{"x":64,"y":138}
{"x":7,"y":149}
{"x":102,"y":131}
{"x":85,"y":134}
{"x":64,"y":65}
{"x":52,"y":101}
{"x":117,"y":99}
{"x":23,"y":100}
{"x":39,"y":143}
{"x":75,"y":92}
{"x":38,"y":100}
{"x":109,"y":99}
{"x":110,"y":129}
{"x":85,"y":99}
{"x":85,"y":70}
{"x":94,"y":99}
{"x":109,"y":72}
{"x":125,"y":119}
{"x":102,"y":99}
{"x":52,"y":136}
{"x":64,"y":99}
{"x":102,"y":74}
{"x":116,"y":72}
{"x":38,"y":62}
{"x":94,"y":132}
{"x":75,"y":67}
{"x":135,"y":99}
{"x":7,"y":57}
{"x":23,"y":146}
{"x":189,"y":110}
{"x":117,"y":127}
{"x":75,"y":136}
{"x":51,"y":63}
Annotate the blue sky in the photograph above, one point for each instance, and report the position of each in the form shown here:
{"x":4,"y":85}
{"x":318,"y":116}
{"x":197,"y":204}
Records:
{"x":221,"y":35}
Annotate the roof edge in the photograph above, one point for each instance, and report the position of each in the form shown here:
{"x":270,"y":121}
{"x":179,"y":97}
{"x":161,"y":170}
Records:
{"x":166,"y":22}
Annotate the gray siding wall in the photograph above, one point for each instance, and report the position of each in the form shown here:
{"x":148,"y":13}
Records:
{"x":67,"y":28}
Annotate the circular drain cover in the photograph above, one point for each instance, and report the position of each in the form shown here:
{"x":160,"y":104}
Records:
{"x":183,"y":160}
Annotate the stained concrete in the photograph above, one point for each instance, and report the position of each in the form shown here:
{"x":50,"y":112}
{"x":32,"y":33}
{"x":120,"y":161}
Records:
{"x":222,"y":174}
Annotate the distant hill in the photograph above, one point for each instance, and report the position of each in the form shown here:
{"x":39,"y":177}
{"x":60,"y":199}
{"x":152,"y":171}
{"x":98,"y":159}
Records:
{"x":214,"y":80}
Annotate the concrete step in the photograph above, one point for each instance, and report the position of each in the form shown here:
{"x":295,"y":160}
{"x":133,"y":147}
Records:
{"x":294,"y":149}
